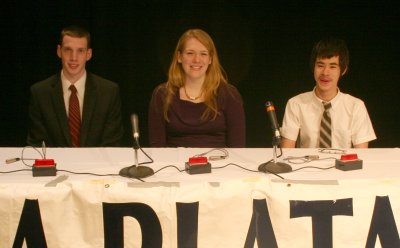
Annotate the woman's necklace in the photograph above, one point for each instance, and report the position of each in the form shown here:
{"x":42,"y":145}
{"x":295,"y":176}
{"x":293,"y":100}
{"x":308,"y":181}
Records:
{"x":192,"y":98}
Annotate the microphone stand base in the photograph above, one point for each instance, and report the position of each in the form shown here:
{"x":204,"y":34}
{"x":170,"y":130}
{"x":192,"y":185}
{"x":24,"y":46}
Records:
{"x":274,"y":167}
{"x":136,"y":171}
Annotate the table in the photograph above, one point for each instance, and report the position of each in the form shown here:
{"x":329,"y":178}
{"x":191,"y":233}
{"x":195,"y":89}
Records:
{"x":230,"y":207}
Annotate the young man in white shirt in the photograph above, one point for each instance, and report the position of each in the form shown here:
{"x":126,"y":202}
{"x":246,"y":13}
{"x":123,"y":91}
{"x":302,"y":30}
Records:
{"x":350,"y":123}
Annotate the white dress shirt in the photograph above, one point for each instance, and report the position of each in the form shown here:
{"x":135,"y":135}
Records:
{"x":351,"y":124}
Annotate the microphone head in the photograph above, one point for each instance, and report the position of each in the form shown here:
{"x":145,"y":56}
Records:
{"x":269,"y":106}
{"x":135,"y":125}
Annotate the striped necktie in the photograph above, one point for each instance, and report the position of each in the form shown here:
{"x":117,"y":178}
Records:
{"x":74,"y":118}
{"x":325,"y":135}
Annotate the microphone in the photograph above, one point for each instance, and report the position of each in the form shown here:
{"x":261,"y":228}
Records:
{"x":136,"y":171}
{"x":269,"y":107}
{"x":273,"y":166}
{"x":135,"y":131}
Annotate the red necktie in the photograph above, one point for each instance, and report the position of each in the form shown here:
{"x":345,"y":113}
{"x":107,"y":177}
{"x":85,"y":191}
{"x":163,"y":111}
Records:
{"x":74,"y":119}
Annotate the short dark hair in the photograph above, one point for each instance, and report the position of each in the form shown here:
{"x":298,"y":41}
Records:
{"x":328,"y":48}
{"x":77,"y":32}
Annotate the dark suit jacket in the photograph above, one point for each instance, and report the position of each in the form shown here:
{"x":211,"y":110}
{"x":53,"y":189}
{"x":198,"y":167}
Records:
{"x":101,"y":117}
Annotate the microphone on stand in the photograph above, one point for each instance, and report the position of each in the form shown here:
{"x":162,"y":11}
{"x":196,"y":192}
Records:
{"x":276,"y":139}
{"x":135,"y":131}
{"x":274,"y":166}
{"x":136,"y":171}
{"x":135,"y":135}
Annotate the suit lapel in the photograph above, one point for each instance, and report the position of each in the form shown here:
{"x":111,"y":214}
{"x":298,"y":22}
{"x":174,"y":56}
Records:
{"x":88,"y":107}
{"x":59,"y":106}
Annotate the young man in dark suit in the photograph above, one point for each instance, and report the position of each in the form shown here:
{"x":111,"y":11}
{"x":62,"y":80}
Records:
{"x":75,"y":108}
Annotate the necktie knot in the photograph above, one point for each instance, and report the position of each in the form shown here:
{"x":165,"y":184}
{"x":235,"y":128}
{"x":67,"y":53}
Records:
{"x":327,"y":105}
{"x":72,"y":88}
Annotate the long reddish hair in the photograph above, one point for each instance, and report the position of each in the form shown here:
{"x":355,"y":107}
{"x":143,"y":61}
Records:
{"x":215,"y":74}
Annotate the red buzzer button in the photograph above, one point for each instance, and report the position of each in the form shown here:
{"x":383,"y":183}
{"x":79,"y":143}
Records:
{"x":44,"y":162}
{"x":198,"y":160}
{"x":347,"y":157}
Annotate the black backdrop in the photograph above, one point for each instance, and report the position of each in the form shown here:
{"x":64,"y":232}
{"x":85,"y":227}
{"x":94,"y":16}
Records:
{"x":263,"y":46}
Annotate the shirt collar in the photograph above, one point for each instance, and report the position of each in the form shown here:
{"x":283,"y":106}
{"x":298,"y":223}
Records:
{"x":333,"y":101}
{"x":79,"y":84}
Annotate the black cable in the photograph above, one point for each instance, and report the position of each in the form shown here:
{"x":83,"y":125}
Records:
{"x":224,"y":166}
{"x":165,"y":167}
{"x":151,"y":160}
{"x":314,"y":167}
{"x":5,"y":172}
{"x":220,"y":167}
{"x":102,"y":175}
{"x":280,"y":149}
{"x":22,"y":155}
{"x":88,"y":173}
{"x":273,"y":173}
{"x":68,"y":171}
{"x":137,"y":178}
{"x":170,"y":166}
